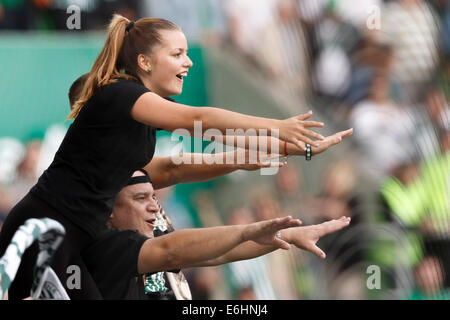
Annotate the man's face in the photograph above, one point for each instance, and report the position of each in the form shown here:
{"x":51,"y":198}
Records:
{"x":135,"y":209}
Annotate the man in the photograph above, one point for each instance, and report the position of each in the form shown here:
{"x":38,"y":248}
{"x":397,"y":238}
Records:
{"x":136,"y":208}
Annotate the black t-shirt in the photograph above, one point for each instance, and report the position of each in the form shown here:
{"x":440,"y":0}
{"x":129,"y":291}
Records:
{"x":101,"y":150}
{"x":112,"y":262}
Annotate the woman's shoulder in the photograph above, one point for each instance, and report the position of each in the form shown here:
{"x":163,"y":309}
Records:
{"x":124,"y":83}
{"x":122,"y":88}
{"x":118,"y":97}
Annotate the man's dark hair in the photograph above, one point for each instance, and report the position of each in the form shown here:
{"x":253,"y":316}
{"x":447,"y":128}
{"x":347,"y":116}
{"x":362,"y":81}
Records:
{"x":75,"y":89}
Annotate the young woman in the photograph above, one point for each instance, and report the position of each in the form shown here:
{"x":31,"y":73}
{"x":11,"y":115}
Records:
{"x":113,"y":134}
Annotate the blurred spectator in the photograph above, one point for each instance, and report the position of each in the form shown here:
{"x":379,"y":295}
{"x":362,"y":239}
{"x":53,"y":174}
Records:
{"x":369,"y":59}
{"x":53,"y":137}
{"x":356,"y":12}
{"x":252,"y":273}
{"x":411,"y":27}
{"x":436,"y":225}
{"x":246,"y":293}
{"x":282,"y":49}
{"x":436,"y":177}
{"x":310,"y":12}
{"x":26,"y":172}
{"x":404,"y":195}
{"x":335,"y":39}
{"x":404,"y":204}
{"x":438,"y":109}
{"x":332,"y":72}
{"x":288,"y":184}
{"x":246,"y":22}
{"x":443,"y":78}
{"x":206,"y":283}
{"x":430,"y":120}
{"x":206,"y":209}
{"x":279,"y":262}
{"x":446,"y":31}
{"x":179,"y":214}
{"x":11,"y":153}
{"x":442,"y":7}
{"x":429,"y":279}
{"x":445,"y":142}
{"x":382,"y":129}
{"x":345,"y":249}
{"x":401,"y":212}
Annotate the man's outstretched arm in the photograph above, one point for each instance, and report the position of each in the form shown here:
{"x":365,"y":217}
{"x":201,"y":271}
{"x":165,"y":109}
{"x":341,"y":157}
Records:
{"x":302,"y":237}
{"x":183,"y":248}
{"x":197,"y":167}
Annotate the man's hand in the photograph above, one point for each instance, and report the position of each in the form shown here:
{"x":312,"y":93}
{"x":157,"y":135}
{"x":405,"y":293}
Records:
{"x":264,"y":232}
{"x":306,"y":237}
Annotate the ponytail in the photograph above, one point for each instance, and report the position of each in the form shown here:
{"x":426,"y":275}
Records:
{"x":104,"y":70}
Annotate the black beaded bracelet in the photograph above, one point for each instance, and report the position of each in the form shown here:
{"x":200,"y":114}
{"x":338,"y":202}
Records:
{"x":308,"y":152}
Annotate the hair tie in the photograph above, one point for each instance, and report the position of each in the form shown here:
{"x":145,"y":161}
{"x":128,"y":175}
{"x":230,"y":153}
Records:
{"x":130,"y":25}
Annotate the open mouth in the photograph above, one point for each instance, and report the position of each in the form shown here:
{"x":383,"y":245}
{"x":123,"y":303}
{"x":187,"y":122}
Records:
{"x":151,"y":222}
{"x":181,"y":75}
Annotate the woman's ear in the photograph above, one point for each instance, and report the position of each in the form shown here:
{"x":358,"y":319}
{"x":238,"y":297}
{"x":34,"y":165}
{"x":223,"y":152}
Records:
{"x":143,"y":62}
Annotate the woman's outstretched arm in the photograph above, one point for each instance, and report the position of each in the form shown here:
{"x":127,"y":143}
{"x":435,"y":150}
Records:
{"x":273,"y":145}
{"x":153,"y":110}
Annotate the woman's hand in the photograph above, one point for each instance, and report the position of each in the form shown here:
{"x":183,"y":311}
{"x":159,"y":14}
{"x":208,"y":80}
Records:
{"x":295,"y":130}
{"x":264,"y":232}
{"x":306,"y":237}
{"x":331,"y":141}
{"x":324,"y":144}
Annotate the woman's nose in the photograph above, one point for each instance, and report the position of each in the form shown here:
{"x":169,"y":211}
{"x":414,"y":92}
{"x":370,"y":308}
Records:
{"x":188,"y":62}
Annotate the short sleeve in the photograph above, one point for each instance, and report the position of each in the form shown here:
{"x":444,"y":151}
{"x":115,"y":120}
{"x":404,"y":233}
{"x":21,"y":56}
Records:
{"x":112,"y":260}
{"x":121,"y":96}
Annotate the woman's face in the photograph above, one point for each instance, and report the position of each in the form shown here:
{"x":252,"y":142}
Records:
{"x":170,"y":64}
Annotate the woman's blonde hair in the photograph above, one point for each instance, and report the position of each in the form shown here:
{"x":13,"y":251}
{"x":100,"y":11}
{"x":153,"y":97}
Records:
{"x":120,"y":53}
